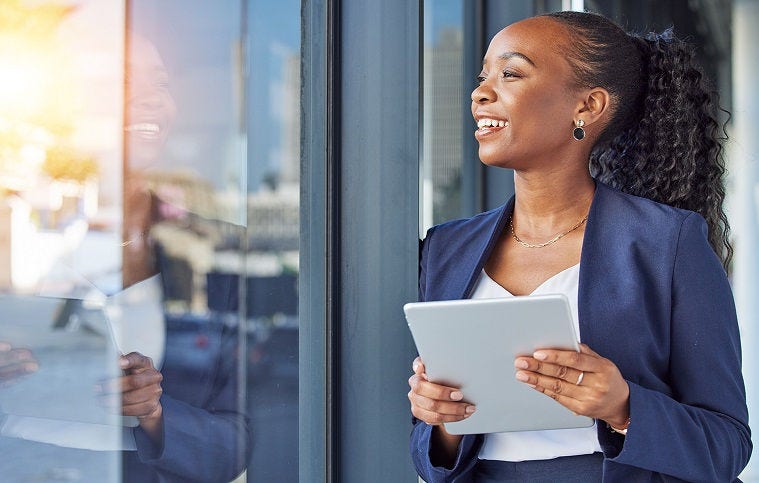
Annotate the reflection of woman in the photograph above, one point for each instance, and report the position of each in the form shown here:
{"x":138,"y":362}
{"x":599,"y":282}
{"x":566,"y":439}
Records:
{"x":183,"y":435}
{"x":659,"y":369}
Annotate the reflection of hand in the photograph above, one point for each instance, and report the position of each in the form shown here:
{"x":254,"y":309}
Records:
{"x":15,"y":363}
{"x":140,"y":390}
{"x":584,"y":382}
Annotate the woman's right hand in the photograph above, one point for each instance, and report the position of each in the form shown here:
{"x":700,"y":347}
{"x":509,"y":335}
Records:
{"x":435,"y":404}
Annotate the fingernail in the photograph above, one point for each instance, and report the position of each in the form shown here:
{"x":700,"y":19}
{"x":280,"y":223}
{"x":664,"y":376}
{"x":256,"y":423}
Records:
{"x":541,"y":356}
{"x":414,"y":366}
{"x":457,"y":396}
{"x":521,"y":376}
{"x":470,"y":409}
{"x":123,"y":363}
{"x":521,"y":363}
{"x":532,"y":386}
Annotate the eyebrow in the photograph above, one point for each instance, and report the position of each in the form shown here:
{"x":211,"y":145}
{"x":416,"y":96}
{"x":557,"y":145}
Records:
{"x":509,"y":55}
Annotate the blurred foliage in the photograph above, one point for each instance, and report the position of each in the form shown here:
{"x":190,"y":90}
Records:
{"x":35,"y":104}
{"x":37,"y":21}
{"x":67,"y":164}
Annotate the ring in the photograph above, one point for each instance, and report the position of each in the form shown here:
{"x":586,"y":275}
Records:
{"x":579,"y":379}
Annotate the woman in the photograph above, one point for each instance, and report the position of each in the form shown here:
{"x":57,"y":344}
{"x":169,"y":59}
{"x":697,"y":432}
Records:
{"x":659,"y":368}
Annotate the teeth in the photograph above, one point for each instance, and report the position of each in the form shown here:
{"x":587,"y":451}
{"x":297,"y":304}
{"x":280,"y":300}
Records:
{"x":143,"y":127}
{"x":491,"y":123}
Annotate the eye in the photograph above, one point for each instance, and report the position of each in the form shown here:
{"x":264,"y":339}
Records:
{"x":481,"y":78}
{"x":508,"y":74}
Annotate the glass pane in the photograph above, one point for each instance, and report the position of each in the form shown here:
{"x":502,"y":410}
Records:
{"x":443,"y":111}
{"x":60,"y":238}
{"x":273,"y":237}
{"x":149,"y":203}
{"x":184,"y":234}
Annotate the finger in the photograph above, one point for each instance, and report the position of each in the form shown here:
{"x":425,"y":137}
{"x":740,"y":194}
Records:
{"x":552,"y":384}
{"x":142,"y":395}
{"x":433,"y":391}
{"x":116,"y":402}
{"x":9,"y":371}
{"x":141,"y":410}
{"x":441,"y":407}
{"x":433,"y":418}
{"x":568,"y":402}
{"x":554,"y":370}
{"x":573,"y":359}
{"x":130,"y":382}
{"x":135,"y":362}
{"x":418,"y":366}
{"x":14,"y":356}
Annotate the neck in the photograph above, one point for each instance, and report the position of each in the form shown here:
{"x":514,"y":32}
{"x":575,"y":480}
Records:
{"x":548,"y":202}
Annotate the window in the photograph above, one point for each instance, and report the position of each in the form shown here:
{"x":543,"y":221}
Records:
{"x":150,"y":203}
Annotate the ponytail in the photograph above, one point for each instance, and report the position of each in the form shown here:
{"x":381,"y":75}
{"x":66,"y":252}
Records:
{"x":666,"y":143}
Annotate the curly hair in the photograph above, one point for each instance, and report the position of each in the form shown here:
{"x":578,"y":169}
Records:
{"x":663,"y":140}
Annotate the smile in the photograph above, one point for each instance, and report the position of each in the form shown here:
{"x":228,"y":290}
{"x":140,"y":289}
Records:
{"x":484,"y":123}
{"x":487,"y":127}
{"x":148,"y":130}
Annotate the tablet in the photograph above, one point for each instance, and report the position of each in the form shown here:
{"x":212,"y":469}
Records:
{"x":472,"y":344}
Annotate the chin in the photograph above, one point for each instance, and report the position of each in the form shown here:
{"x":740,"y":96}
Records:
{"x":495,"y":160}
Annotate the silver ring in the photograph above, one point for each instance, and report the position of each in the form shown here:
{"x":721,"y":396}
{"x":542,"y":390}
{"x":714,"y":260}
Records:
{"x":579,"y":379}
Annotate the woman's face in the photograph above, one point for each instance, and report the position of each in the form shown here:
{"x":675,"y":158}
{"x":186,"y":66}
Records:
{"x":525,"y":105}
{"x":150,"y":109}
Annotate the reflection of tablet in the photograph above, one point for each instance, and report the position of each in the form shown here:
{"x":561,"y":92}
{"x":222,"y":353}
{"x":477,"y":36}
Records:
{"x":472,"y":344}
{"x":72,"y":361}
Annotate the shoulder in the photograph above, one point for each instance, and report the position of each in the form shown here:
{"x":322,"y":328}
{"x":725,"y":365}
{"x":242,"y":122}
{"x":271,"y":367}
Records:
{"x":617,"y":215}
{"x":638,"y":209}
{"x":638,"y":232}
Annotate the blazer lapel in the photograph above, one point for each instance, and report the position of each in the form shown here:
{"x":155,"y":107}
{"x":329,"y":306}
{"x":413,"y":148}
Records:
{"x":479,"y":250}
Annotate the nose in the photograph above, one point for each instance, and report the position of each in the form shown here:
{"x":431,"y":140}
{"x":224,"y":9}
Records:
{"x":150,"y":99}
{"x":483,"y":94}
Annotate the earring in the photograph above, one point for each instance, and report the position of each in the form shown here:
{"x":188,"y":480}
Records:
{"x":578,"y":132}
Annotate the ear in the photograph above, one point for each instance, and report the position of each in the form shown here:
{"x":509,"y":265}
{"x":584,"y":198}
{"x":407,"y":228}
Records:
{"x":593,"y":105}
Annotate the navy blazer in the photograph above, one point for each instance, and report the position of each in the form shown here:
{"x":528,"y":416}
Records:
{"x":655,"y":300}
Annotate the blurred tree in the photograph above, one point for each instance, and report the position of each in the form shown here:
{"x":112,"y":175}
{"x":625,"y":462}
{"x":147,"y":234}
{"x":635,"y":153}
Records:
{"x":67,"y":164}
{"x":35,"y":103}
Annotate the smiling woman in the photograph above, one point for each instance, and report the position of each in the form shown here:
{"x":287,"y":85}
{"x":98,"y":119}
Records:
{"x":642,"y":267}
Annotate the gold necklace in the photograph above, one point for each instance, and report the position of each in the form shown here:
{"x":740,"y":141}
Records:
{"x":549,"y":242}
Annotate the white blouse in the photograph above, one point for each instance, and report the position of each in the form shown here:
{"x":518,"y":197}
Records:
{"x":538,"y":445}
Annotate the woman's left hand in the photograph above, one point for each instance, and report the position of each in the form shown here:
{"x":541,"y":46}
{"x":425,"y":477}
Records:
{"x":583,"y":382}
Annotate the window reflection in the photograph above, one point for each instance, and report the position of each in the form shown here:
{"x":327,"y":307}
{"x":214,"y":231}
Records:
{"x":168,"y":245}
{"x":59,"y":249}
{"x":443,"y":111}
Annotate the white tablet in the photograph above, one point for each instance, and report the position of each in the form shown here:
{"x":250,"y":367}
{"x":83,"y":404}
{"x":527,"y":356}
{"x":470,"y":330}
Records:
{"x":472,"y":344}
